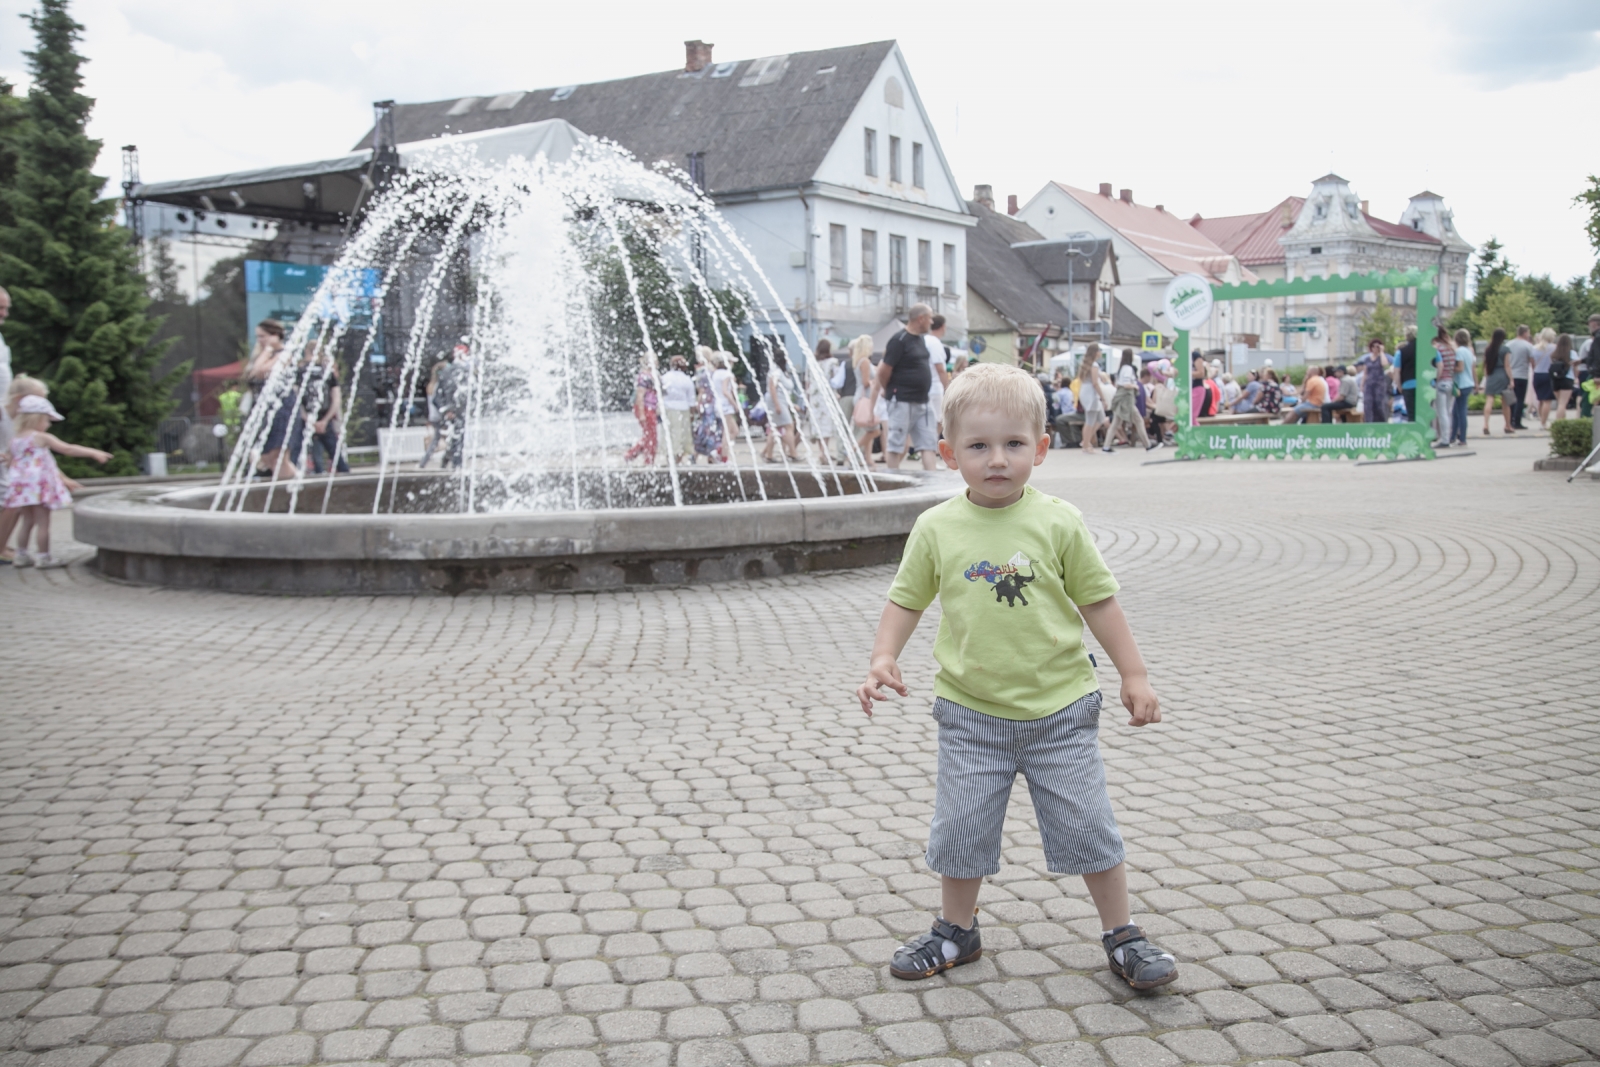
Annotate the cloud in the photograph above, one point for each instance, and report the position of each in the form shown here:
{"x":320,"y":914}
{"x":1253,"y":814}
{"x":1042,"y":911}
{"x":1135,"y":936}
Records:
{"x":1502,"y":44}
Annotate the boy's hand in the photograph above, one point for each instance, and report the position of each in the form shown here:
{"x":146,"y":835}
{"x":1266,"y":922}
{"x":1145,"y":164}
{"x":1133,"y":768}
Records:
{"x":885,"y":671}
{"x":1140,"y":700}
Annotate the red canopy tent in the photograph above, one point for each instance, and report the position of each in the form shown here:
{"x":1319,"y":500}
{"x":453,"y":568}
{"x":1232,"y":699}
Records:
{"x":211,"y":382}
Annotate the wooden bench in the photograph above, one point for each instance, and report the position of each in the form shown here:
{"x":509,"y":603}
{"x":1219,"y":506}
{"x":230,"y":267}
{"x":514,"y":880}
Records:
{"x":1253,"y":418}
{"x":1342,"y":415}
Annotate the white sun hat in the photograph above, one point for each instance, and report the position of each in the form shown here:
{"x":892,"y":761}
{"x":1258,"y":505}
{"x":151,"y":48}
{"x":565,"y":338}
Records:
{"x":38,"y":405}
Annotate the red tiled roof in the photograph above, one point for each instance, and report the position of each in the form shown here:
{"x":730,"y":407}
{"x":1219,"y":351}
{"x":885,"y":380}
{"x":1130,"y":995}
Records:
{"x":1397,"y":231}
{"x":1253,"y":239}
{"x":1161,"y":235}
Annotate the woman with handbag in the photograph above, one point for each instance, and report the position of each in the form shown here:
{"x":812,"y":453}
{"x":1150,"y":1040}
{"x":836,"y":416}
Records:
{"x":865,"y":414}
{"x":1125,"y":405}
{"x":1496,"y":383}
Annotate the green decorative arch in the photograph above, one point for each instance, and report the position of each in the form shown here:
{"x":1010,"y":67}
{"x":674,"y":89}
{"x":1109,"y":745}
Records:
{"x":1377,"y":440}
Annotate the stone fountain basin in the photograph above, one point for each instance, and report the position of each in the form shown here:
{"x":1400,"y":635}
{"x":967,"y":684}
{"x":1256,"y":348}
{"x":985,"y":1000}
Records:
{"x":168,"y":537}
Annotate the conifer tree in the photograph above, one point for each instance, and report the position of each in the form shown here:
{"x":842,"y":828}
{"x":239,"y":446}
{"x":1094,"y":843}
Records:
{"x":78,"y":303}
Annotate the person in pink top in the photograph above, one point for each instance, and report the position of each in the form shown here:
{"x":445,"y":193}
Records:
{"x":37,"y":488}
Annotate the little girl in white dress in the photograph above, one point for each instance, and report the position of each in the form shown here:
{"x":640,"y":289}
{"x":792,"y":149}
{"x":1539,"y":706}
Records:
{"x":36,"y":486}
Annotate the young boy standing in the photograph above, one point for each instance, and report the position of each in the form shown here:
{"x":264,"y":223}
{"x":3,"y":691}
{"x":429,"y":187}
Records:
{"x":1017,"y":576}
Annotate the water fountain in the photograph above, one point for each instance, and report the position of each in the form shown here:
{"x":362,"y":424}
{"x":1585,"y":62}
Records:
{"x":573,"y":266}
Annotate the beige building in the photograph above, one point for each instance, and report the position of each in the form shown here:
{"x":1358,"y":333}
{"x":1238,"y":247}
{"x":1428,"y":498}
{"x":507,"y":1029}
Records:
{"x":1331,"y":232}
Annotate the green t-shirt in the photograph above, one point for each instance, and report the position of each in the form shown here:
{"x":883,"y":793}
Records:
{"x":1011,"y":640}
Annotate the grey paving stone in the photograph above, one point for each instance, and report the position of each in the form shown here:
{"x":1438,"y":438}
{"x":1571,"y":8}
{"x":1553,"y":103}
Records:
{"x":1105,"y":1020}
{"x":1264,"y":1040}
{"x":1199,"y":1046}
{"x":1470,"y":1050}
{"x":1138,"y":1052}
{"x":908,"y":1040}
{"x":1324,"y":1032}
{"x":1536,"y":1047}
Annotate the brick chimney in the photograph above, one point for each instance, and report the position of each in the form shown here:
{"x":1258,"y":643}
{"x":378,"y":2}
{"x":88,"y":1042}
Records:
{"x":1105,"y":190}
{"x":983,"y":194}
{"x":696,"y":55}
{"x":1364,"y":206}
{"x":1126,"y":195}
{"x":1161,"y":208}
{"x":1011,"y":204}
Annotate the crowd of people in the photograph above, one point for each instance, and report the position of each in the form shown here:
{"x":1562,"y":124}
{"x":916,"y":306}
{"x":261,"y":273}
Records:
{"x":1382,"y":387}
{"x":890,"y":402}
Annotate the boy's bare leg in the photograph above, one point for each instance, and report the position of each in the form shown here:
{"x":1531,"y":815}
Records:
{"x":959,"y":900}
{"x":1109,"y":889}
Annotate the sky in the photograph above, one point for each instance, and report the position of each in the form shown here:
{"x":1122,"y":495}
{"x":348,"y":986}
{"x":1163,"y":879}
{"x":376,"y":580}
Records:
{"x":1219,"y":108}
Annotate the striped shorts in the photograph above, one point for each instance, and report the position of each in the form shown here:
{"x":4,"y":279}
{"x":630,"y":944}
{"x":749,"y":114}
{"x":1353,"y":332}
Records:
{"x":979,"y":758}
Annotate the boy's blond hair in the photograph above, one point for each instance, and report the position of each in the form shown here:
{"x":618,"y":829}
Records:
{"x":994,"y":386}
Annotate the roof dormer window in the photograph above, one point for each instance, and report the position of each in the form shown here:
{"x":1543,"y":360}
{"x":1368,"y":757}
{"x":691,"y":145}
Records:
{"x":562,"y":93}
{"x":724,"y":70}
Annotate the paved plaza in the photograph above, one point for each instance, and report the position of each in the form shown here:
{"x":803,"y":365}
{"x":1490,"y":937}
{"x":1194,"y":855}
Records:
{"x":651,"y":829}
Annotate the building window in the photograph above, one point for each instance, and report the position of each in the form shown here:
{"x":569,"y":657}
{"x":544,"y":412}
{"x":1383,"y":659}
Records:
{"x":894,"y":160}
{"x":1455,"y":294}
{"x":917,"y":178}
{"x":925,"y":264}
{"x":869,"y":153}
{"x":869,"y":257}
{"x":897,"y":259}
{"x":950,"y":270}
{"x":1105,"y":304}
{"x":838,"y":270}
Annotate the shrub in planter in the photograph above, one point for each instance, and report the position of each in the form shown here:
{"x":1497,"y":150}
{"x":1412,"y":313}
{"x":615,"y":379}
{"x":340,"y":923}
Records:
{"x":1475,"y":402}
{"x":1571,"y":437}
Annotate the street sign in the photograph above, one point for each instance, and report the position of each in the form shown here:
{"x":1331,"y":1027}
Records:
{"x":1304,"y":327}
{"x":1290,"y":320}
{"x":1150,"y":340}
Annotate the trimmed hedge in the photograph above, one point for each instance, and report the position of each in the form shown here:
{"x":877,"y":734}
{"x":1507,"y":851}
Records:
{"x":1571,"y":437}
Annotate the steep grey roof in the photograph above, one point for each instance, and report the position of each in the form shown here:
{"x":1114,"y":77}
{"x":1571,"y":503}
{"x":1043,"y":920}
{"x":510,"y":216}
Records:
{"x":1056,"y":262}
{"x":761,"y":123}
{"x":1125,"y":325}
{"x":1002,"y":277}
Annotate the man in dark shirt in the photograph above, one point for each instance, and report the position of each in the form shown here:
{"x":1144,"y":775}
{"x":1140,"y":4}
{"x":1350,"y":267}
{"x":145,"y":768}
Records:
{"x":906,"y":376}
{"x":1407,"y":359}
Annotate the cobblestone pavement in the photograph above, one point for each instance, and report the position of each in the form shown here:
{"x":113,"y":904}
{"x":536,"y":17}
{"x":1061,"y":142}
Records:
{"x":649,"y":829}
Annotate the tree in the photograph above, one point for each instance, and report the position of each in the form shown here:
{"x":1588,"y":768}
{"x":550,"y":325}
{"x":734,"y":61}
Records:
{"x":163,"y":275}
{"x":1380,"y":322}
{"x":1509,"y":304}
{"x":13,"y":120}
{"x":1590,"y":198}
{"x":79,"y":305}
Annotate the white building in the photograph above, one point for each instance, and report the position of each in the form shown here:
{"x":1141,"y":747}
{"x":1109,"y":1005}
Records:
{"x":825,"y":163}
{"x":1153,"y":247}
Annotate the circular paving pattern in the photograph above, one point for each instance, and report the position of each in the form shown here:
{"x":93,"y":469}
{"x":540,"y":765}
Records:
{"x":641,"y":829}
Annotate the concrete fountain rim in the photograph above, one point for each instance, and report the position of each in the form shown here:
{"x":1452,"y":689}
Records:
{"x":149,"y":521}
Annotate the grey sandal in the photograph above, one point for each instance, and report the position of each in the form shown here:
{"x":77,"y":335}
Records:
{"x":1136,"y":961}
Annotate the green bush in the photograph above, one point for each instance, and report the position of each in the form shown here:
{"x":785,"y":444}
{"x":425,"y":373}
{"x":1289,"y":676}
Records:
{"x":1475,"y":402}
{"x":1571,"y":437}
